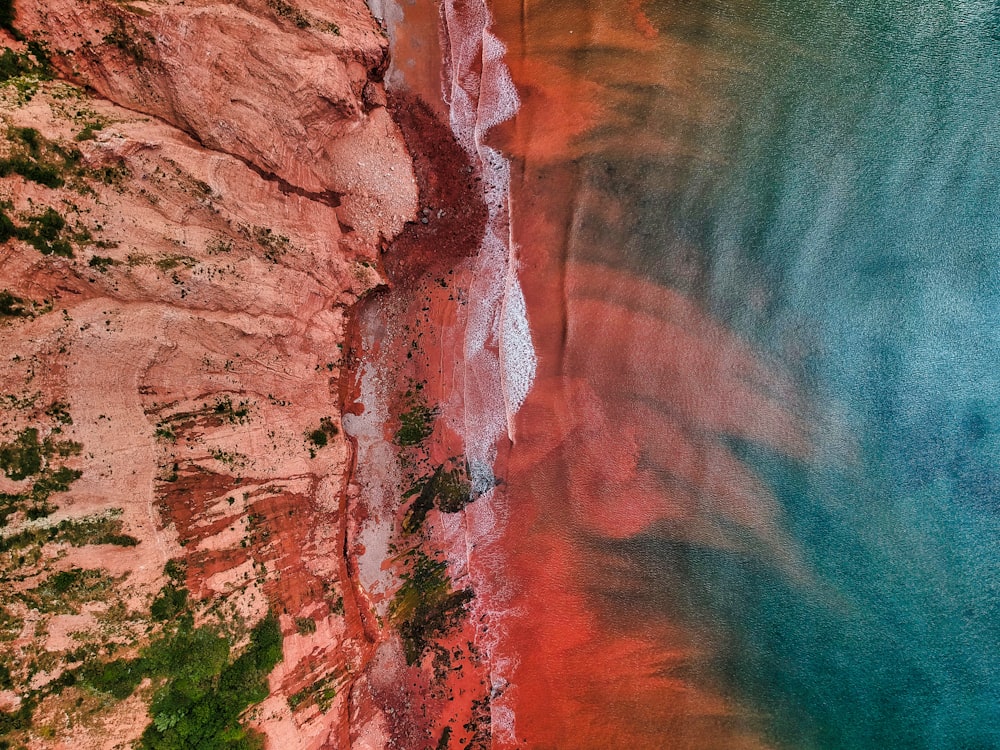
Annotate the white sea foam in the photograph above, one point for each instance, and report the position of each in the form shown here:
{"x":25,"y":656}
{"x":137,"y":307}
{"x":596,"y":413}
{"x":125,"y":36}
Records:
{"x":499,"y":357}
{"x":500,"y":360}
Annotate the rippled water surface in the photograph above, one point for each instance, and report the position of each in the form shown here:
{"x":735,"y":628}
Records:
{"x":755,"y":489}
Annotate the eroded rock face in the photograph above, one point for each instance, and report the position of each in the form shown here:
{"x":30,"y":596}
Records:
{"x":293,"y":90}
{"x":217,"y":206}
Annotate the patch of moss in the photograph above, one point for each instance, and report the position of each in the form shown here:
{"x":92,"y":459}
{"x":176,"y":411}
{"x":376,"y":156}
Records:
{"x":66,"y":590}
{"x":88,"y":132}
{"x":9,"y":505}
{"x":415,"y":425}
{"x":59,"y":411}
{"x":447,"y":489}
{"x":322,"y":692}
{"x":8,"y":13}
{"x":426,"y":607}
{"x":76,"y":532}
{"x":32,"y":64}
{"x":176,"y":569}
{"x":102,"y":263}
{"x":38,"y":159}
{"x":94,"y":530}
{"x":305,"y":625}
{"x":124,"y":38}
{"x":12,"y":306}
{"x":22,"y":457}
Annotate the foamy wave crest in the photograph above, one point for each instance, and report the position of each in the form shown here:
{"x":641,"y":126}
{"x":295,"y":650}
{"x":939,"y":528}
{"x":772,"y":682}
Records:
{"x":516,"y":351}
{"x":481,"y":94}
{"x":500,"y":360}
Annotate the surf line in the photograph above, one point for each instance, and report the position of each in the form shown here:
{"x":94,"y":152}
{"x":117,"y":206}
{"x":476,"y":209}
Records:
{"x":500,"y":359}
{"x":500,"y":362}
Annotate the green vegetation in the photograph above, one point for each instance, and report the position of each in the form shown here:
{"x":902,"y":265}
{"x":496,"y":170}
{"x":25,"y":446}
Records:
{"x":12,"y":306}
{"x":34,"y":63}
{"x":169,"y":602}
{"x":122,"y":37}
{"x":300,"y":19}
{"x":235,"y":414}
{"x":78,"y":533}
{"x":448,"y":490}
{"x":305,"y":625}
{"x":274,"y":245}
{"x":26,"y":455}
{"x":204,"y":692}
{"x":323,"y":691}
{"x":59,"y":411}
{"x":102,"y":263}
{"x":105,"y":529}
{"x":293,"y":14}
{"x":9,"y":504}
{"x":170,"y":262}
{"x":64,"y":591}
{"x":218,"y":245}
{"x":88,"y":131}
{"x":8,"y":14}
{"x":176,"y":569}
{"x":322,"y":434}
{"x":166,"y":432}
{"x":22,"y":457}
{"x":415,"y":425}
{"x":425,"y":606}
{"x":43,"y":232}
{"x":118,"y":678}
{"x":38,"y":159}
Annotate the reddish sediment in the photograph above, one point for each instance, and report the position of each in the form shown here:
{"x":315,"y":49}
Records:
{"x":617,"y":439}
{"x":413,"y":326}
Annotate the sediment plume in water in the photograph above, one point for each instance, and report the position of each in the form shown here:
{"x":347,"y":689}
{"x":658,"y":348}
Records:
{"x":616,"y":441}
{"x":572,"y":468}
{"x":682,"y":488}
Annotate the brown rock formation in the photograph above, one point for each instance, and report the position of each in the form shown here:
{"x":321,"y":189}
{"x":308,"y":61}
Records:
{"x":223,"y":192}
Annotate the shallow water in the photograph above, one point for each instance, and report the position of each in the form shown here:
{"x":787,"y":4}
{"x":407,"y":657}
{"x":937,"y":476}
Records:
{"x":755,"y":486}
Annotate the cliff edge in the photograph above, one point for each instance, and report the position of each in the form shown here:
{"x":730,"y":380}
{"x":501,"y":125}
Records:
{"x":193,"y":194}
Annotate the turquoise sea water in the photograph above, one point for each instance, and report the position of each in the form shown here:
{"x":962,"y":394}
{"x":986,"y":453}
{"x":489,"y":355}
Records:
{"x":839,"y":207}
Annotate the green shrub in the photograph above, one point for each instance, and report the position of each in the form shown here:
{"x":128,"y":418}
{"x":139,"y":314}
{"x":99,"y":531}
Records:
{"x":305,"y":625}
{"x":416,"y":425}
{"x":204,"y":694}
{"x":44,"y":174}
{"x":170,"y":602}
{"x":448,"y":490}
{"x":22,"y":457}
{"x":102,"y":263}
{"x":12,"y":306}
{"x":118,"y":678}
{"x":88,"y":131}
{"x":176,"y":569}
{"x":7,"y":15}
